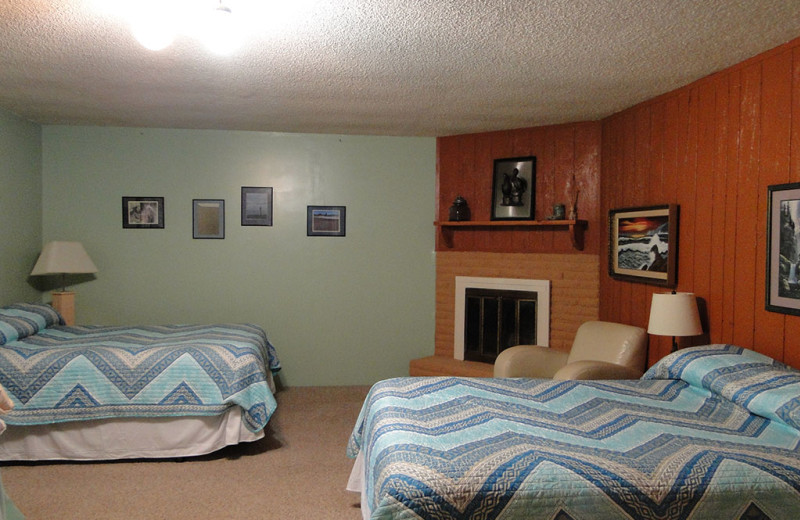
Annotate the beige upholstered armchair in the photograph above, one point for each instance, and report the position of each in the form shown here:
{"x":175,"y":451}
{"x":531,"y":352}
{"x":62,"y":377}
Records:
{"x":601,"y":350}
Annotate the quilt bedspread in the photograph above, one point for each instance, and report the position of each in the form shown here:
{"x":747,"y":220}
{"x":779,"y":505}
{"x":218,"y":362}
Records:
{"x":439,"y":447}
{"x":72,"y":373}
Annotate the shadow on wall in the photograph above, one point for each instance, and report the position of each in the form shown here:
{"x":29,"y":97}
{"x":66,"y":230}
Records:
{"x":56,"y":282}
{"x":705,"y":337}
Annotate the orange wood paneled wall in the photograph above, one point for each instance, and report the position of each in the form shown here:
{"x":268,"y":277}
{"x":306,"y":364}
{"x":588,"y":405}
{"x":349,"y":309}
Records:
{"x":567,"y":158}
{"x":713,"y":147}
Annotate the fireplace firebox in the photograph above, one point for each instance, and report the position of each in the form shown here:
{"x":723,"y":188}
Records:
{"x":496,"y":320}
{"x":492,"y":314}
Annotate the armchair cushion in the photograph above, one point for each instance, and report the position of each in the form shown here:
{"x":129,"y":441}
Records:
{"x":610,"y":342}
{"x":601,"y":350}
{"x":529,"y":361}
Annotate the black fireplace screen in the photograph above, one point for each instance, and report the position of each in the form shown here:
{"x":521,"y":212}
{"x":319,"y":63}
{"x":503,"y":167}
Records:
{"x":497,"y":319}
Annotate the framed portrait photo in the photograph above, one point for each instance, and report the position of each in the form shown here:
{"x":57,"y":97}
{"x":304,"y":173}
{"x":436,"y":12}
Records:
{"x":643,"y":244}
{"x":514,"y":188}
{"x":143,"y":212}
{"x":256,"y":206}
{"x":326,"y":221}
{"x":208,"y":218}
{"x":783,"y":249}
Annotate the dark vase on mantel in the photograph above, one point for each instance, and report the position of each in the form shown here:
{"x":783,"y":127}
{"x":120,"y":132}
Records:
{"x":459,"y":211}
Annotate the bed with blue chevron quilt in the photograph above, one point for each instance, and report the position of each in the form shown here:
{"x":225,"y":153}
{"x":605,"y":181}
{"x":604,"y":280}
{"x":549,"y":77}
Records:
{"x":56,"y":373}
{"x":709,"y":432}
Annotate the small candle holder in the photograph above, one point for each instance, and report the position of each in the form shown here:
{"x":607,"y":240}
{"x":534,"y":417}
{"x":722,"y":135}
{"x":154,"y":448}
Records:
{"x":459,"y":211}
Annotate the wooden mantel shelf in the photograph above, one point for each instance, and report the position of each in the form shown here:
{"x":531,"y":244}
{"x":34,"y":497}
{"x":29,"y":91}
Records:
{"x":574,"y":227}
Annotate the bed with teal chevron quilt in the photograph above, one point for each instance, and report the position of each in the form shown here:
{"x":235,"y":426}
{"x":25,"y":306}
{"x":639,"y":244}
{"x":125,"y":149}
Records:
{"x":56,"y":373}
{"x":708,"y":433}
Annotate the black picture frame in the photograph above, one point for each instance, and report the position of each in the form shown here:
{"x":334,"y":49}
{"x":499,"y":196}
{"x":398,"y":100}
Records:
{"x":208,"y":218}
{"x":256,"y":206}
{"x":326,"y":221}
{"x":514,"y":188}
{"x":143,"y":212}
{"x":643,"y":244}
{"x":783,"y":249}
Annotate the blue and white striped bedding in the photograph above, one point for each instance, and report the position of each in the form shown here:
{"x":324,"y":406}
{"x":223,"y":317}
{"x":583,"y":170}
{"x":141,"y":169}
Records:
{"x":54,"y":373}
{"x":708,"y":432}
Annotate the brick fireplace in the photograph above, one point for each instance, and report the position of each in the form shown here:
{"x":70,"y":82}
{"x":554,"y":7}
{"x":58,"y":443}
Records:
{"x":574,"y":298}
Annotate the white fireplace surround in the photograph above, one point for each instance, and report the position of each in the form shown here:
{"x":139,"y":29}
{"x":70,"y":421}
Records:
{"x":540,"y":287}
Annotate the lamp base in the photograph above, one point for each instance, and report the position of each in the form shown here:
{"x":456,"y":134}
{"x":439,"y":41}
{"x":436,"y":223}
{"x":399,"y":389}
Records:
{"x":64,"y":303}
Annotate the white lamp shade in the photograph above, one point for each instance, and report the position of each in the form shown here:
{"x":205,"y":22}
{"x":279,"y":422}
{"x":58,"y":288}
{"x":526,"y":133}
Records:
{"x":63,"y":258}
{"x":674,"y":314}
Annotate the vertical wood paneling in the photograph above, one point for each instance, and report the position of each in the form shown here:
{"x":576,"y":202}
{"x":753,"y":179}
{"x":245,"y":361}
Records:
{"x":687,"y":188}
{"x":642,"y":148}
{"x":776,"y":95}
{"x":747,"y":207}
{"x":728,"y":303}
{"x":719,"y":172}
{"x":704,"y":190}
{"x":587,"y":181}
{"x":465,"y":167}
{"x":791,"y":351}
{"x":712,"y":147}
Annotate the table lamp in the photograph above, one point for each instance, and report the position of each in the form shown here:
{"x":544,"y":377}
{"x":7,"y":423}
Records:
{"x":64,"y":258}
{"x":674,"y":314}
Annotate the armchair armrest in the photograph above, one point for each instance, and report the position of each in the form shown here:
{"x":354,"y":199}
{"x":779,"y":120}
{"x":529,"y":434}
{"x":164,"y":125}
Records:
{"x":596,"y":370}
{"x":529,"y":361}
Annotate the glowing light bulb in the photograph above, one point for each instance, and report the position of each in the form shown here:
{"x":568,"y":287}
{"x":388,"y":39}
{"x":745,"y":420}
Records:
{"x":153,"y":29}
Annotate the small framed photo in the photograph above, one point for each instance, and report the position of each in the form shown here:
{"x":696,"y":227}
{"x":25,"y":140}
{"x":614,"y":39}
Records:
{"x":326,"y":221}
{"x":143,"y":212}
{"x":256,"y":206}
{"x":783,"y":249}
{"x":208,"y":218}
{"x":643,"y":244}
{"x":514,"y":188}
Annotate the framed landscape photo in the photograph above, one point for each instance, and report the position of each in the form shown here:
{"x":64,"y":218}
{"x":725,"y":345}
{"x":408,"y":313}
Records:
{"x":326,"y":221}
{"x":514,"y":188}
{"x":143,"y":212}
{"x":643,"y":244}
{"x":256,"y":206}
{"x":208,"y":218}
{"x":783,"y":249}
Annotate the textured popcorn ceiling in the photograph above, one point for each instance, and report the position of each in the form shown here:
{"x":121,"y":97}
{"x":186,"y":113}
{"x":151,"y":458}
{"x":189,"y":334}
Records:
{"x":388,"y":67}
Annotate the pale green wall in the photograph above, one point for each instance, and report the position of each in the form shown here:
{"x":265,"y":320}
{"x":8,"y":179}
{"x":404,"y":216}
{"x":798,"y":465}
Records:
{"x":20,"y":206}
{"x":340,"y":311}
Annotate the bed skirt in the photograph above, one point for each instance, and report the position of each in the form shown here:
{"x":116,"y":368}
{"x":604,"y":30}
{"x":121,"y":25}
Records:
{"x":356,"y":483}
{"x":130,"y":438}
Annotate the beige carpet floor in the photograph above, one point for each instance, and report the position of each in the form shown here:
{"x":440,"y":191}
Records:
{"x":298,"y":471}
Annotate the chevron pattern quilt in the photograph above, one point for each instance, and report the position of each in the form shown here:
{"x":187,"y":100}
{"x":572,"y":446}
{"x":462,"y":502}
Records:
{"x":699,"y":437}
{"x":62,"y":373}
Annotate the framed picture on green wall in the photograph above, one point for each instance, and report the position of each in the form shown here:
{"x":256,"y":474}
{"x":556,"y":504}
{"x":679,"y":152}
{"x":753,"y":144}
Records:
{"x":256,"y":206}
{"x":208,"y":218}
{"x":326,"y":221}
{"x":143,"y":212}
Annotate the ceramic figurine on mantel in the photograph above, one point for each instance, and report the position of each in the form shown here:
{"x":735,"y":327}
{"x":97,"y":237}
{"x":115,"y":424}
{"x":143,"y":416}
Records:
{"x":459,"y":211}
{"x":558,"y":212}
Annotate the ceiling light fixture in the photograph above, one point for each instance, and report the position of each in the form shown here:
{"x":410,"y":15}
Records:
{"x":156,"y":26}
